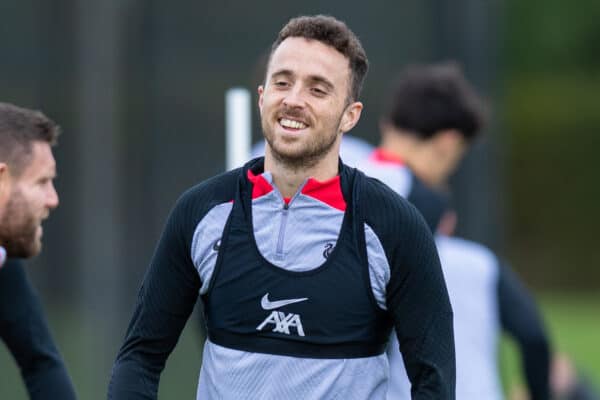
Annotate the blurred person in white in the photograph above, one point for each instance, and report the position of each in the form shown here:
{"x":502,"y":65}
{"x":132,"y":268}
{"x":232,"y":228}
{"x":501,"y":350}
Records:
{"x":27,"y":195}
{"x":431,"y":118}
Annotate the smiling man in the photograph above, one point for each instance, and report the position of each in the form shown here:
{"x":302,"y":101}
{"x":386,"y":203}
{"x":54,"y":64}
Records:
{"x":303,"y":264}
{"x":27,"y":195}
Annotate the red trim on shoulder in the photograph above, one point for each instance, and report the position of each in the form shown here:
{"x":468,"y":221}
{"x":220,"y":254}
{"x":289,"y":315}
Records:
{"x":385,"y":156}
{"x":260,"y":186}
{"x":329,"y":192}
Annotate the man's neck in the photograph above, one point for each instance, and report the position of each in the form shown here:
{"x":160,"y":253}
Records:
{"x":288,"y":179}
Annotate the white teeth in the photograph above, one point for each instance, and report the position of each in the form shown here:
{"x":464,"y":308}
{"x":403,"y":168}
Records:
{"x":288,"y":123}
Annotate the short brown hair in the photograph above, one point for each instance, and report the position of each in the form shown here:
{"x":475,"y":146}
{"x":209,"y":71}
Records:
{"x":19,"y":127}
{"x":334,"y":33}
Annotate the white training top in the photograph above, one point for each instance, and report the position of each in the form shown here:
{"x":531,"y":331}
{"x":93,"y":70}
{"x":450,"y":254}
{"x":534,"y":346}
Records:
{"x":471,"y":273}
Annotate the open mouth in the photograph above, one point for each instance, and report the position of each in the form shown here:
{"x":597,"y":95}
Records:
{"x":290,"y":124}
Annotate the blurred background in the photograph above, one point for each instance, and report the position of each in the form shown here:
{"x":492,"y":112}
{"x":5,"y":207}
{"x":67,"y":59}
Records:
{"x":138,"y":88}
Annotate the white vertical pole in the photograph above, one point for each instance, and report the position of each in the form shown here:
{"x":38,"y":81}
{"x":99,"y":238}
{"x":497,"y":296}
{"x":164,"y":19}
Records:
{"x":238,"y":125}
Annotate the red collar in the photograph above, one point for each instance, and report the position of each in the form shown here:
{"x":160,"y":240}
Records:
{"x":329,"y":191}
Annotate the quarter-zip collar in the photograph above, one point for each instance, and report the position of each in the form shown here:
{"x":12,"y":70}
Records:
{"x":329,"y":191}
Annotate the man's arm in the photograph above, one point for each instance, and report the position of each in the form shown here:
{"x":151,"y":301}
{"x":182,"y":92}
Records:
{"x":521,"y":319}
{"x":419,"y":302}
{"x":416,"y":294}
{"x":165,"y":302}
{"x":25,"y":331}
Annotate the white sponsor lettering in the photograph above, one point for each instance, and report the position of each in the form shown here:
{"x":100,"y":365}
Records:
{"x":283,"y":322}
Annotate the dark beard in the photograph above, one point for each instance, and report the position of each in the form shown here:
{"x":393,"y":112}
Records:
{"x":18,"y":240}
{"x":308,"y":159}
{"x":305,"y":160}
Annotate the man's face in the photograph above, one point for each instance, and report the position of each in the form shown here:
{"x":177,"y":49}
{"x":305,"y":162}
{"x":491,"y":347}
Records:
{"x":30,"y":199}
{"x":304,"y":103}
{"x":450,"y":153}
{"x":439,"y":156}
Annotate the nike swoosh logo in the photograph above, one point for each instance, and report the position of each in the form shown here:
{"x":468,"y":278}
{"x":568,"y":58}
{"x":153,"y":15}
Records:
{"x":270,"y":305}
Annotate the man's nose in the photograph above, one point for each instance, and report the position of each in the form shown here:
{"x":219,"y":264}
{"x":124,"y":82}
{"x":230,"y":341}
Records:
{"x":295,"y":98}
{"x":52,"y":198}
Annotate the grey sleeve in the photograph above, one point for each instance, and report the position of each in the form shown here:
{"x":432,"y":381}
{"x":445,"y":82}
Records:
{"x":417,"y":297}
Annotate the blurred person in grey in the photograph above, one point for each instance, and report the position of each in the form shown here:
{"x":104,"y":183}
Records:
{"x":27,"y":195}
{"x":431,"y":118}
{"x":303,"y":264}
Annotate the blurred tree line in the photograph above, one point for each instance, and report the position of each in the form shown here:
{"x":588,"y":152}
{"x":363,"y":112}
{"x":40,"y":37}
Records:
{"x":138,"y":88}
{"x":551,"y":107}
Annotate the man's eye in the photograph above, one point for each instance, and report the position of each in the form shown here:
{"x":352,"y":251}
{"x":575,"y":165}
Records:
{"x":281,"y":83}
{"x":319,"y":91}
{"x":45,"y":181}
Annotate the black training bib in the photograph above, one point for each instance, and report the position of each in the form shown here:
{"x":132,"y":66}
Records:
{"x":327,"y":312}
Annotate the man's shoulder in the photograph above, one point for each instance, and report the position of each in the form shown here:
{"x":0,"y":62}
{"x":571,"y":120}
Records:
{"x":465,"y":246}
{"x":469,"y":254}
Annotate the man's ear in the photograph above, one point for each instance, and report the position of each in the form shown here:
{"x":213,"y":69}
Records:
{"x":351,"y":116}
{"x":5,"y":182}
{"x":260,"y":91}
